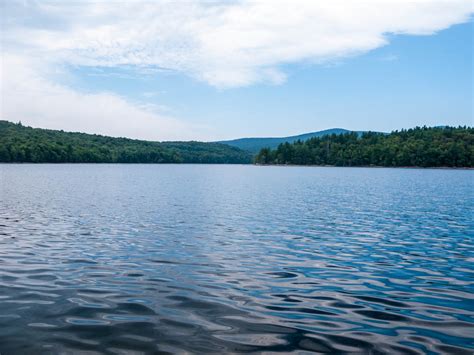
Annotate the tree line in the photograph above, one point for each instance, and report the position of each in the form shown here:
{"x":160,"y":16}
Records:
{"x":33,"y":145}
{"x":417,"y":147}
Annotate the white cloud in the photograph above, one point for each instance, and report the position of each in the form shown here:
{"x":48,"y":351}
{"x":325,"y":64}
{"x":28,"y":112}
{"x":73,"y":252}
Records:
{"x":223,"y":43}
{"x":226,"y":44}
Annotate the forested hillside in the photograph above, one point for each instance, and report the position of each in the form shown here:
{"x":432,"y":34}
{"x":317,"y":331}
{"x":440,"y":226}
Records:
{"x":33,"y":145}
{"x":421,"y":146}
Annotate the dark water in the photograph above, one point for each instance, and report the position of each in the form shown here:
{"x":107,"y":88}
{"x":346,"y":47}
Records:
{"x":129,"y":259}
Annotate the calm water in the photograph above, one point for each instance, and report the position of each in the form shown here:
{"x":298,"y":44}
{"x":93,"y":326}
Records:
{"x":183,"y":258}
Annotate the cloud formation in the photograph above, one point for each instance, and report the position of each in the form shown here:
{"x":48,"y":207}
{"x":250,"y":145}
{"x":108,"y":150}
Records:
{"x":225,"y":44}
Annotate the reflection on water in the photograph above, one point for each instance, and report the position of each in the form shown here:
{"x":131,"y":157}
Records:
{"x":170,"y":258}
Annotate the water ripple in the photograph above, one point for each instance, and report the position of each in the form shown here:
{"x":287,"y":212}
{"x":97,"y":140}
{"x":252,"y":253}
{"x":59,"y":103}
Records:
{"x":214,"y":259}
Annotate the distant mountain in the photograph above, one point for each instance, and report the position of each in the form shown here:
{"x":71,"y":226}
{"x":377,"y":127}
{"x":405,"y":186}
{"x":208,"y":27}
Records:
{"x":254,"y":145}
{"x":20,"y":144}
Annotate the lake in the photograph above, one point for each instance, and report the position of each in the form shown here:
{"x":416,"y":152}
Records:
{"x":231,"y":258}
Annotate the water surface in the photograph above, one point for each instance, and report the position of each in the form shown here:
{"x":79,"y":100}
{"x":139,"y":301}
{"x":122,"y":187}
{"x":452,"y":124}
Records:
{"x":211,"y":259}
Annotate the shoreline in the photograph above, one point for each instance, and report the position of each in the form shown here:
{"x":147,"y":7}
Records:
{"x":372,"y":166}
{"x":252,"y":164}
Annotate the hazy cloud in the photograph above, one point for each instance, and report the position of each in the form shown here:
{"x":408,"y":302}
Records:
{"x":31,"y":97}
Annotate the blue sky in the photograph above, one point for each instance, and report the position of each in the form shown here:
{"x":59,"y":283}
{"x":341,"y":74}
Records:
{"x":414,"y":72}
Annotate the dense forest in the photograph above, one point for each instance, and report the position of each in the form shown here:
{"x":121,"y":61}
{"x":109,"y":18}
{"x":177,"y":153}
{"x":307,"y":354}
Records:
{"x":418,"y":147}
{"x":33,"y":145}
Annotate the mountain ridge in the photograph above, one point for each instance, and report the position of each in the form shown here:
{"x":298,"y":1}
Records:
{"x":255,"y":144}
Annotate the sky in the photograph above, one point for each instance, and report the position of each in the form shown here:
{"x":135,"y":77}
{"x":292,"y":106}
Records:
{"x":212,"y":70}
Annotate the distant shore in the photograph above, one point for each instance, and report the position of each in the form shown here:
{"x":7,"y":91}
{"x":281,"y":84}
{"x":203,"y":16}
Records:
{"x":372,"y":166}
